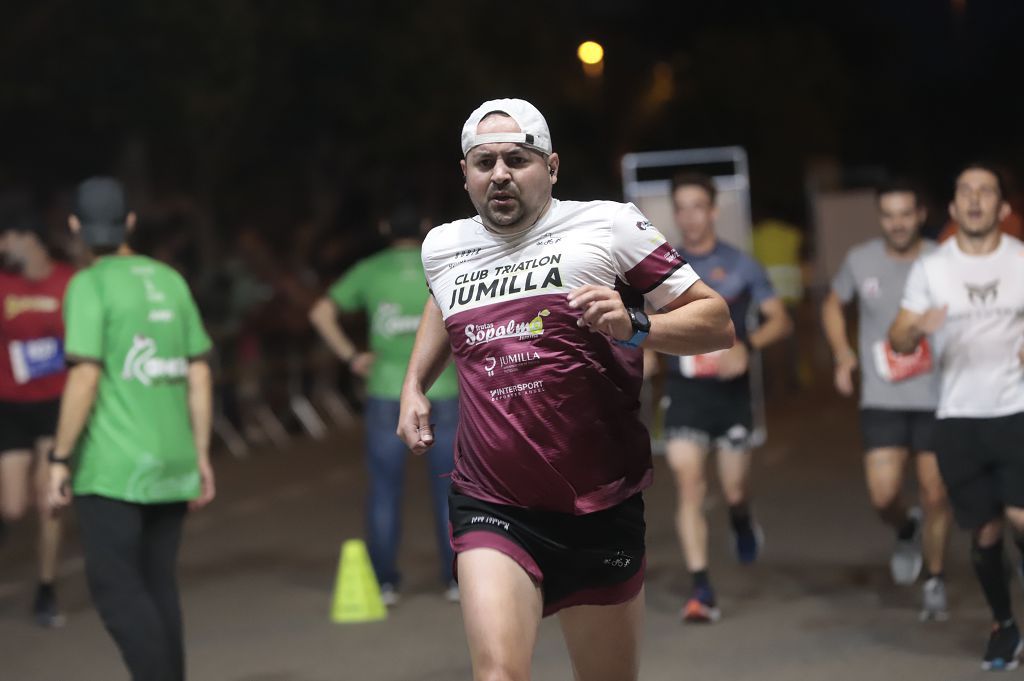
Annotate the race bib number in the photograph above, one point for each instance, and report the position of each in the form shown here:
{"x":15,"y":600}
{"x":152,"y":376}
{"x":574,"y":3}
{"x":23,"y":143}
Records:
{"x":701,"y":366}
{"x":894,"y":367}
{"x":36,"y":358}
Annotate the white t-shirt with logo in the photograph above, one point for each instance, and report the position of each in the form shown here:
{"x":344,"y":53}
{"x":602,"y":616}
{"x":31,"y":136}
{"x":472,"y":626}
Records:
{"x":549,"y":412}
{"x":978,"y":347}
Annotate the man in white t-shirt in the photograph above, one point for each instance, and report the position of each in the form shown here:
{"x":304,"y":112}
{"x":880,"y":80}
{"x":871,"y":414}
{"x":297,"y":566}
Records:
{"x":541,"y":304}
{"x":969,"y":293}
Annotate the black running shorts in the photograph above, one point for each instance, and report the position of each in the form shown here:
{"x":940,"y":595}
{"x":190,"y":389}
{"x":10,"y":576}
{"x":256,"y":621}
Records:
{"x":23,"y":424}
{"x":982,"y":464}
{"x":592,"y":559}
{"x":910,"y":429}
{"x":709,"y":412}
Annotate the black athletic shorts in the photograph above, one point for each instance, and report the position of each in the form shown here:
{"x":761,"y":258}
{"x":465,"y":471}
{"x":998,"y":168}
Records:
{"x":982,"y":464}
{"x":592,"y":559}
{"x":914,"y":430}
{"x":709,"y":412}
{"x":22,"y":424}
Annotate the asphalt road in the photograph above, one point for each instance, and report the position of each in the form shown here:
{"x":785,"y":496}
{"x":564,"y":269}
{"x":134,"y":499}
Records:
{"x":258,"y":567}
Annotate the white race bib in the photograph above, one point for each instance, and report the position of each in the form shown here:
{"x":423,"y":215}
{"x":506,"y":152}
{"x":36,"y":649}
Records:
{"x":36,"y":358}
{"x":701,"y":366}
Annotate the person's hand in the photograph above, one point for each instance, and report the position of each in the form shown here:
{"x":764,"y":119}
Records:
{"x":603,"y":311}
{"x":734,"y":362}
{"x":207,"y":486}
{"x":932,"y":320}
{"x":414,"y":426}
{"x":361,"y":364}
{"x":58,"y":495}
{"x":845,"y":366}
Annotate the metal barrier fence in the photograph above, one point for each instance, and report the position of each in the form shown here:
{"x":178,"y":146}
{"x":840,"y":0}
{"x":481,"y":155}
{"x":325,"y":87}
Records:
{"x":256,"y":399}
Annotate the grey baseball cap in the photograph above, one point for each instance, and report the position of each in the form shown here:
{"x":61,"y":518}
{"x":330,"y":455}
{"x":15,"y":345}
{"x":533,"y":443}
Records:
{"x":101,"y":208}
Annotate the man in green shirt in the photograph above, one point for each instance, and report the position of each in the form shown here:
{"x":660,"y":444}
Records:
{"x":390,"y":288}
{"x":134,"y":428}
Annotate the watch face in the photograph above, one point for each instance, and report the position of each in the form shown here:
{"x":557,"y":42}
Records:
{"x":640,"y":320}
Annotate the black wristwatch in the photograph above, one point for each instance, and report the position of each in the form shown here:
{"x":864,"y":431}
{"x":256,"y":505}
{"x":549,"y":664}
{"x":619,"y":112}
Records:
{"x":52,"y":457}
{"x":641,"y":328}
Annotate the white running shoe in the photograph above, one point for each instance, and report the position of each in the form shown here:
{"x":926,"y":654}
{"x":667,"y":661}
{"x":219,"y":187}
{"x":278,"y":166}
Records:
{"x":906,"y":562}
{"x":934,"y":606}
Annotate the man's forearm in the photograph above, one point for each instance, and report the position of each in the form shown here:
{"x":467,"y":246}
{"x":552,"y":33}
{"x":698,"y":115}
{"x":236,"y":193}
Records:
{"x":834,"y":323}
{"x":200,"y":406}
{"x":323,"y":316}
{"x":699,"y":326}
{"x":777,"y":325}
{"x":904,"y":334}
{"x":75,"y":407}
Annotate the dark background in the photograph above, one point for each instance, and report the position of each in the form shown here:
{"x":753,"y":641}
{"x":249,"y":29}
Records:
{"x":269,"y":114}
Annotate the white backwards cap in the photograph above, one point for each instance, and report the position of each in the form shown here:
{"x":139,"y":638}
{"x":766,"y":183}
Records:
{"x":534,"y":128}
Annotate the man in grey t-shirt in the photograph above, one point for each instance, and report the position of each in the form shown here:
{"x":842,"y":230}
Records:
{"x":899,"y":394}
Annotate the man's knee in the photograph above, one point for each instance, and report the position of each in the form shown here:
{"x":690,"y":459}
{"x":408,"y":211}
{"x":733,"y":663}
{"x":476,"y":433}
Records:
{"x":933,"y":499}
{"x":693,"y":487}
{"x":989,"y":534}
{"x":496,"y":672}
{"x":883,"y":490}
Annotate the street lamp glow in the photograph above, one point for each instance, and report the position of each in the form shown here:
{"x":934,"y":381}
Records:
{"x":590,"y":52}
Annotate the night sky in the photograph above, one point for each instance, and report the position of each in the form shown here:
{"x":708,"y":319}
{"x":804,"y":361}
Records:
{"x":256,"y":107}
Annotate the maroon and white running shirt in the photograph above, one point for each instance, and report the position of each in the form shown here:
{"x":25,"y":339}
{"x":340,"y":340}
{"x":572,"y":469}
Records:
{"x":549,"y":412}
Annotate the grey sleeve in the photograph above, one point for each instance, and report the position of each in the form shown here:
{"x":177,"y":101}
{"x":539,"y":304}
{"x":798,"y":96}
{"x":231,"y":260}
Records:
{"x":844,"y":283}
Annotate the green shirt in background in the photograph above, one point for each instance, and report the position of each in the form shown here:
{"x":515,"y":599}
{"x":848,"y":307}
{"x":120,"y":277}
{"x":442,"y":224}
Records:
{"x":391,"y":288}
{"x":136,"y":318}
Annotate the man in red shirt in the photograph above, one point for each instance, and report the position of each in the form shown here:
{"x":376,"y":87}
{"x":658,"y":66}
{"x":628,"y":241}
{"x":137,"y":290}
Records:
{"x":31,"y":381}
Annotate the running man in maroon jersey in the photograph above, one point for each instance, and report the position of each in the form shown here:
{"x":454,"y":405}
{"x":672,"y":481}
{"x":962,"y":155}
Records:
{"x":541,"y":303}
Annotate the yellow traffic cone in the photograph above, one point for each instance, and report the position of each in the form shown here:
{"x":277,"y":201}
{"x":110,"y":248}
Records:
{"x":356,"y":592}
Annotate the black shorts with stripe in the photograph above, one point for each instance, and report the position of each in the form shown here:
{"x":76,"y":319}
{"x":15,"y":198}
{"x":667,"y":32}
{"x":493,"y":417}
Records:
{"x":592,"y":559}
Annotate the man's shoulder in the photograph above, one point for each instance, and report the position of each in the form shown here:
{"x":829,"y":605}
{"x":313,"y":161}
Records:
{"x":942,"y":251}
{"x":62,"y":271}
{"x":729,"y":250}
{"x":450,"y":233}
{"x":1016,"y":246}
{"x":867,"y":250}
{"x":164,"y":271}
{"x":9,"y":280}
{"x":600,"y":209}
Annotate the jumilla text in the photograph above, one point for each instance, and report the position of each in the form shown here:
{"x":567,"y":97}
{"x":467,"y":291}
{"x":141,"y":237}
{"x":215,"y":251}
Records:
{"x":506,"y":280}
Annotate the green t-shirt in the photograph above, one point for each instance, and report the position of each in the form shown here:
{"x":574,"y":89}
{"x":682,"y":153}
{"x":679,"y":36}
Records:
{"x":391,"y":287}
{"x":136,"y":318}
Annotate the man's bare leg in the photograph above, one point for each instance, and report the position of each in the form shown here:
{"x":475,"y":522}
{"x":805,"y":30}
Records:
{"x":501,"y":610}
{"x":604,"y":640}
{"x":687,"y":459}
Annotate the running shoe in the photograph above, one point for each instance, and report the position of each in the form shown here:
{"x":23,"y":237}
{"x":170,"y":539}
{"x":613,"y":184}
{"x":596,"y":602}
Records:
{"x":1004,"y":648}
{"x":934,"y":606}
{"x":701,"y":608}
{"x":906,"y":562}
{"x":749,"y":540}
{"x":451,"y":594}
{"x":389,"y":595}
{"x":45,"y":611}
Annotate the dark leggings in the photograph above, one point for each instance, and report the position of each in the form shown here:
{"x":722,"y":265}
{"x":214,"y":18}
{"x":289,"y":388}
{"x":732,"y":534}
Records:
{"x":131,"y":552}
